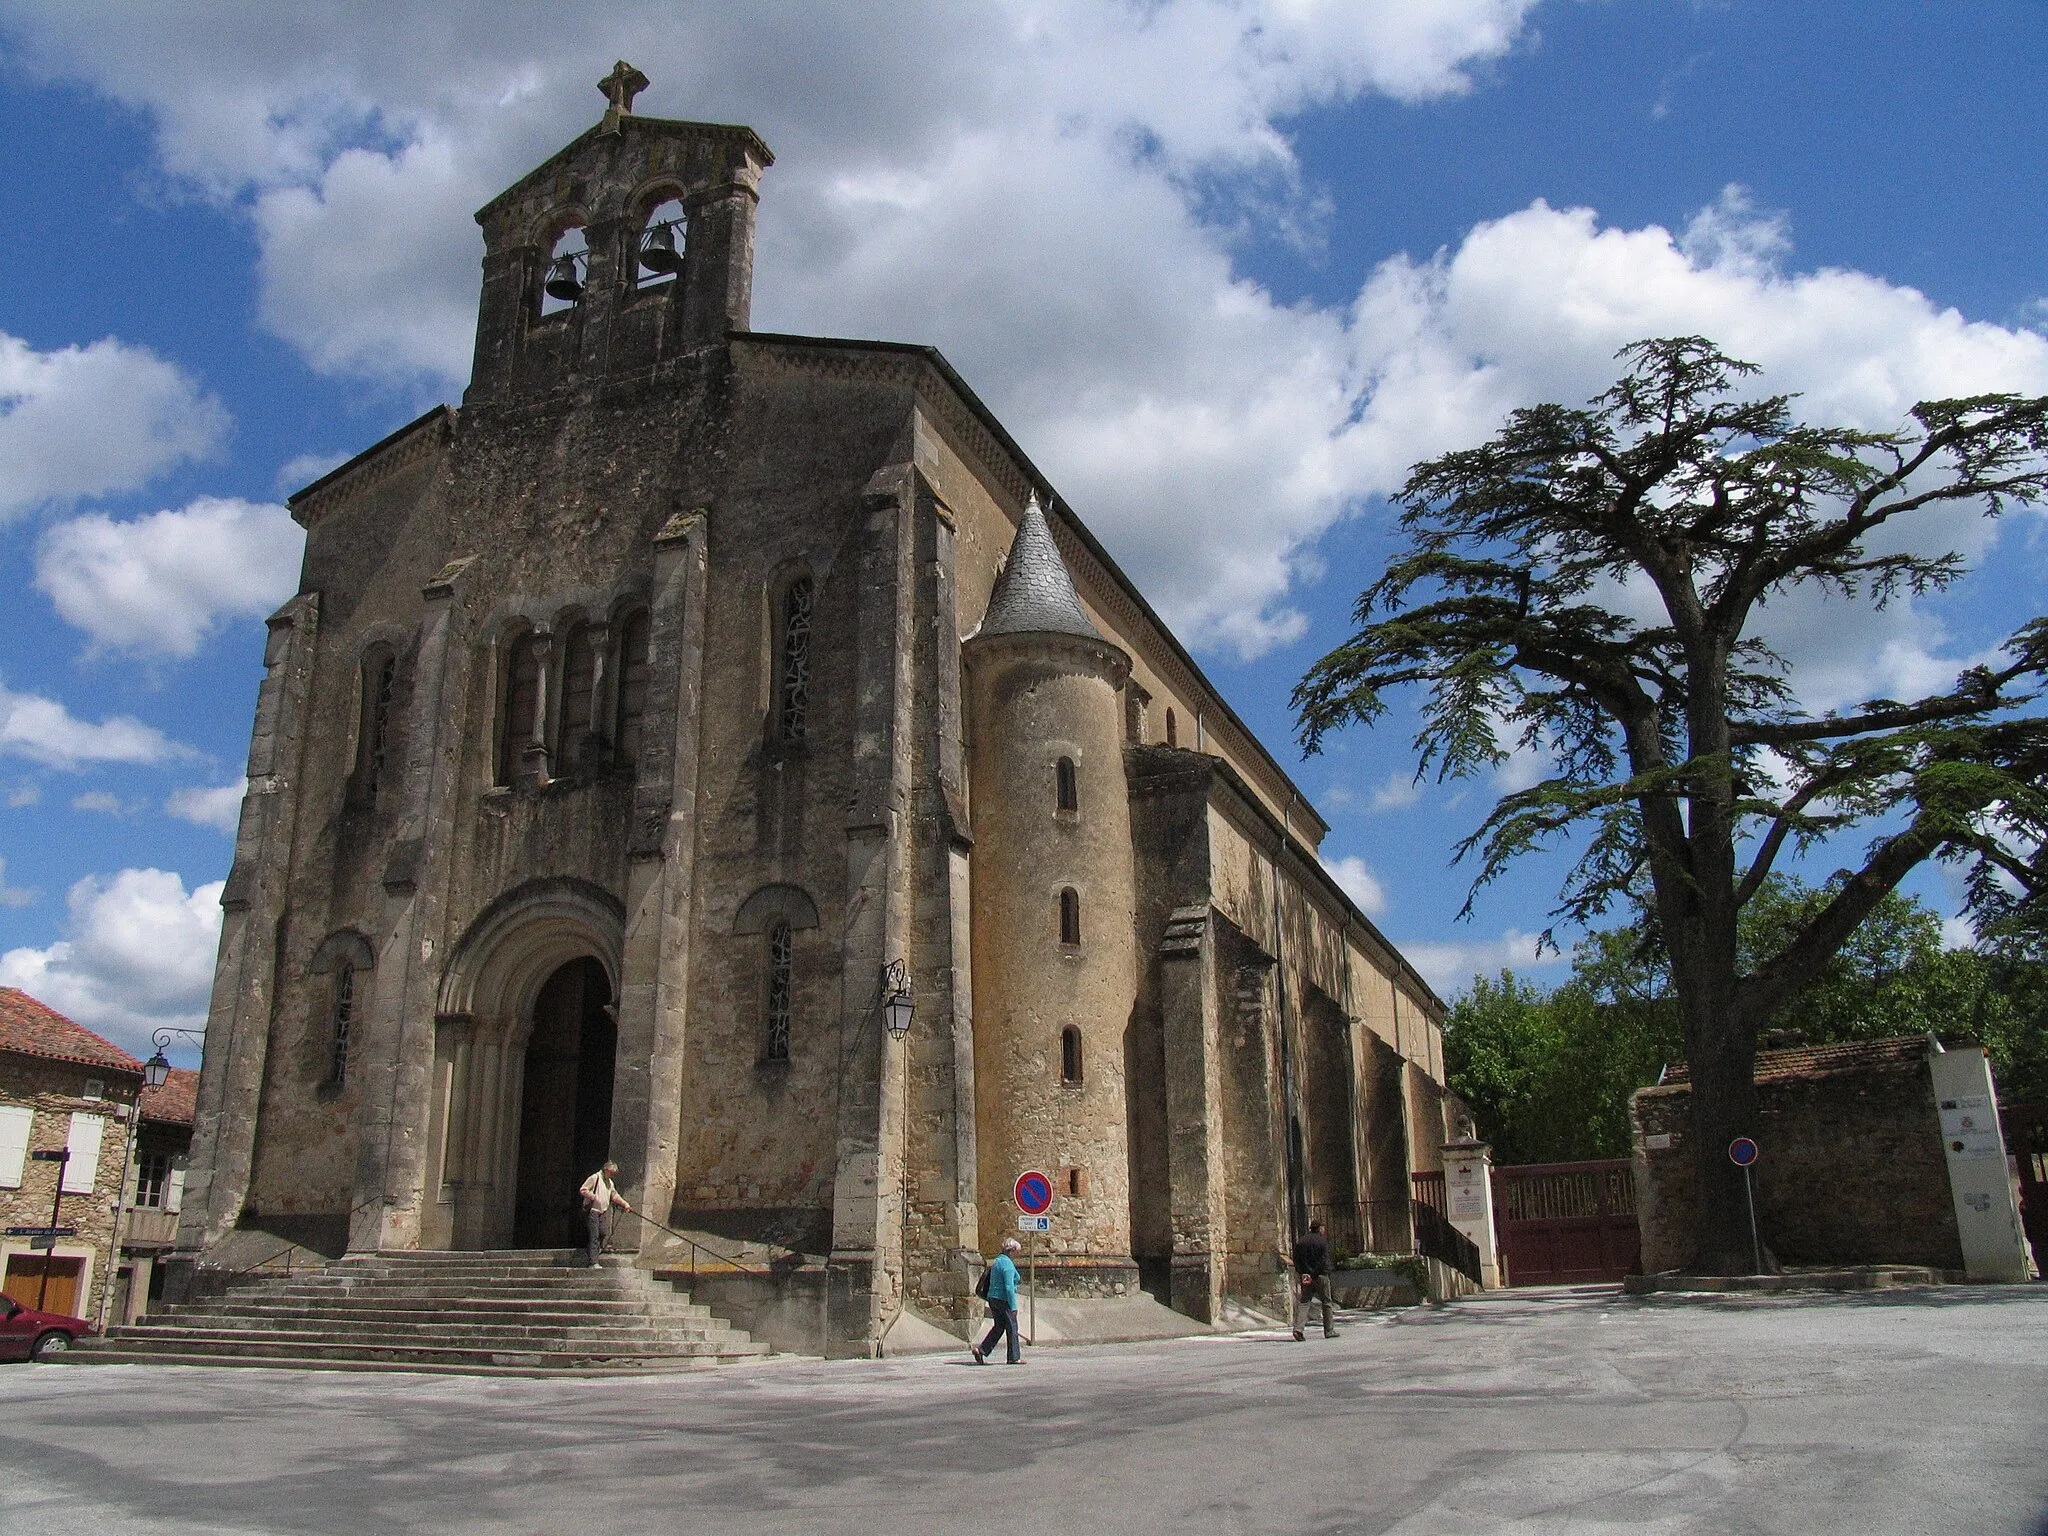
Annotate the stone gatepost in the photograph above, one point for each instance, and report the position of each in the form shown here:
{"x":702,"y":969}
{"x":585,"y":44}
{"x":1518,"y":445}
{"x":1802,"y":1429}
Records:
{"x":1468,"y":1198}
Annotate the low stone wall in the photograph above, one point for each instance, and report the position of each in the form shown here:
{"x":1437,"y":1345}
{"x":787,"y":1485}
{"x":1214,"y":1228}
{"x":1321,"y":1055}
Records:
{"x":1852,"y":1169}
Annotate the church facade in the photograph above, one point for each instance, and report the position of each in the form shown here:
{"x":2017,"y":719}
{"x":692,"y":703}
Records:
{"x":642,"y":728}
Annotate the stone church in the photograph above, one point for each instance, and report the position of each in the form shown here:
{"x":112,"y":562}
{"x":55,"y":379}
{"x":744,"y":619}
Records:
{"x":645,"y":726}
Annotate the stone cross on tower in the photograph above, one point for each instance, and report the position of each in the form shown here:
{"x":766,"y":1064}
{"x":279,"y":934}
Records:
{"x":620,"y":87}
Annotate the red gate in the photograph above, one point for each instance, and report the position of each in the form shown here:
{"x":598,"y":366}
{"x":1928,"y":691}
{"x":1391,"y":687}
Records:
{"x":1566,"y":1223}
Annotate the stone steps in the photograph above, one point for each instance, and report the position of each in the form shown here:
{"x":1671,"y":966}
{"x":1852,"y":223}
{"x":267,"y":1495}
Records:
{"x":432,"y":1331}
{"x":514,"y":1313}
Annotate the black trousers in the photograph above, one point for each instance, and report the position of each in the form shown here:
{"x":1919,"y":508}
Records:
{"x":1002,"y":1324}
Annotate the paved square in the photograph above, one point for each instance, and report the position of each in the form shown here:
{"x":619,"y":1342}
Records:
{"x":1544,"y":1411}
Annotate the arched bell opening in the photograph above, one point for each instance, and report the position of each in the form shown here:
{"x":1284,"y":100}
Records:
{"x":565,"y":1110}
{"x":568,"y":272}
{"x":663,"y":234}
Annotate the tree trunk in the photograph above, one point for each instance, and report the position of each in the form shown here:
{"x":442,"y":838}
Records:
{"x":1720,"y":1049}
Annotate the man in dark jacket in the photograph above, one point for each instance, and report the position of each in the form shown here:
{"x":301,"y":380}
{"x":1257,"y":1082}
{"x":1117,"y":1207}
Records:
{"x":1312,"y":1276}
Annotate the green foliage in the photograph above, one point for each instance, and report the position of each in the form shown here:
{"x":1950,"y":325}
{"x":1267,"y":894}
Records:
{"x":1548,"y":1074}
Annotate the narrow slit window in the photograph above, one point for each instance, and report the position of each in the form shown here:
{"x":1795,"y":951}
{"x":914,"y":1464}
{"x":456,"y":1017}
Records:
{"x":1172,"y":735}
{"x":344,"y":1016}
{"x":522,"y":697}
{"x":1069,"y":789}
{"x":1070,"y":916}
{"x":579,"y":681}
{"x":1070,"y":1055}
{"x":380,"y":681}
{"x":778,"y":992}
{"x":633,"y":641}
{"x":794,"y":693}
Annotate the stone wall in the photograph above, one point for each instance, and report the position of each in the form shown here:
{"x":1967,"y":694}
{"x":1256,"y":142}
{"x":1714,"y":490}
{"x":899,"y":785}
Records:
{"x":1851,"y":1171}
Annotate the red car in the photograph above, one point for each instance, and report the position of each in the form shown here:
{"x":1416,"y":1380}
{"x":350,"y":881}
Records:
{"x":26,"y":1334}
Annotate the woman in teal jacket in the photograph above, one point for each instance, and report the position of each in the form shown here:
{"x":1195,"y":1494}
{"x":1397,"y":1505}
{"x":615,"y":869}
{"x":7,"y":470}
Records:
{"x":1002,"y":1307}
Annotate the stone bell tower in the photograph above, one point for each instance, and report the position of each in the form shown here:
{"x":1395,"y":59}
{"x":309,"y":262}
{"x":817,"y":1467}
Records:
{"x":1054,"y":946}
{"x":627,"y":305}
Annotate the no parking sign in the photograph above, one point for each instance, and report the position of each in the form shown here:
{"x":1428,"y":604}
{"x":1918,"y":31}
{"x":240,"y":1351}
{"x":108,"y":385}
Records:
{"x":1034,"y":1193}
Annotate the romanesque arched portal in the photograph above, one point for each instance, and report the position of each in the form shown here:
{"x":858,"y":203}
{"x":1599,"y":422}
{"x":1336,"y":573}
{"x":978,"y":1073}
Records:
{"x":528,"y":993}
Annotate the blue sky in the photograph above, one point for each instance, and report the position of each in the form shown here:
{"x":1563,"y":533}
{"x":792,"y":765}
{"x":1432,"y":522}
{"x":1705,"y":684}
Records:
{"x":1225,"y":270}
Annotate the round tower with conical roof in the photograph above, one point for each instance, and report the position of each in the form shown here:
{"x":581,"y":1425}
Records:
{"x":1055,"y":971}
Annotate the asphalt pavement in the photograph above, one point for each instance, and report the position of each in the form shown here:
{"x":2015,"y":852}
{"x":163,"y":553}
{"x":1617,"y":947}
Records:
{"x":1545,"y":1411}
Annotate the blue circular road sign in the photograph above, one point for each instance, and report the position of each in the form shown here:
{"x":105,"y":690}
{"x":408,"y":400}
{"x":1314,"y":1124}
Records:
{"x":1034,"y":1193}
{"x":1742,"y":1152}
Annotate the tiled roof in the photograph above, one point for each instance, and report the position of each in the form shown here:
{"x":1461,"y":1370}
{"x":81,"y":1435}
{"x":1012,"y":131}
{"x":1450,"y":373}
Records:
{"x":1034,"y":594}
{"x":36,"y":1029}
{"x":176,"y":1102}
{"x":1820,"y":1060}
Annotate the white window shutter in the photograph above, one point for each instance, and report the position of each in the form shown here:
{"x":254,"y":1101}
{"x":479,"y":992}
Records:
{"x":15,"y":1120}
{"x":174,"y":1188}
{"x":82,"y":1172}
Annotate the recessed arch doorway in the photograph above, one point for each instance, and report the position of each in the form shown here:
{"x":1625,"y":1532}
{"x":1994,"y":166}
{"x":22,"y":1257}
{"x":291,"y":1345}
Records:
{"x":565,"y":1110}
{"x":525,"y":1056}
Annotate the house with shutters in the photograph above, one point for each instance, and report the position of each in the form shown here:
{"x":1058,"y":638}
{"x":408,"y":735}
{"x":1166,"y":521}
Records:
{"x":63,"y":1090}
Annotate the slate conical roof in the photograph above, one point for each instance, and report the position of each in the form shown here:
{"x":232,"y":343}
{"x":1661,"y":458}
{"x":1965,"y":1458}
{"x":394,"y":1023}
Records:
{"x":1034,"y":595}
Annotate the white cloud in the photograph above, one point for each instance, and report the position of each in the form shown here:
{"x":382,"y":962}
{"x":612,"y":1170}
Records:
{"x":220,"y":809}
{"x":25,"y":793}
{"x":13,"y":895}
{"x":1450,"y":967}
{"x":87,"y":421}
{"x":303,"y":469}
{"x":44,"y":731}
{"x":163,"y":582}
{"x":101,"y":802}
{"x":1013,"y":182}
{"x":1359,"y":883}
{"x":1397,"y":792}
{"x":139,"y":956}
{"x":1020,"y":184}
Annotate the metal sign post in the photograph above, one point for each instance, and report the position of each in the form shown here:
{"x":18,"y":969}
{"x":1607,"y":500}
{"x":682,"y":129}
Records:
{"x":1033,"y":1193}
{"x":1742,"y":1152}
{"x":62,"y":1158}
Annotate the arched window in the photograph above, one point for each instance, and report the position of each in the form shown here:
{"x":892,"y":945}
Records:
{"x":777,"y":1048}
{"x":1070,"y":916}
{"x":579,"y":683}
{"x":568,"y":272}
{"x":793,"y":672}
{"x":1069,"y":789}
{"x":1070,"y":1055}
{"x":373,"y":738}
{"x":522,"y":697}
{"x":632,"y":707}
{"x":1171,"y":736}
{"x":344,"y":1015}
{"x":661,"y":244}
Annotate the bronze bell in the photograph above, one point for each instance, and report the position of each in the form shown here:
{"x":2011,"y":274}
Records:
{"x":658,"y":250}
{"x":563,"y":283}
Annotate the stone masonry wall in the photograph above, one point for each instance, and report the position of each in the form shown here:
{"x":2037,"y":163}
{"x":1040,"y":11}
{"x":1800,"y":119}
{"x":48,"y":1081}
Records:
{"x":1851,"y":1171}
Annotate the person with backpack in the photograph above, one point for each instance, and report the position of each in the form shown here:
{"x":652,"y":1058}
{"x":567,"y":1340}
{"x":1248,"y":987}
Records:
{"x":998,"y":1287}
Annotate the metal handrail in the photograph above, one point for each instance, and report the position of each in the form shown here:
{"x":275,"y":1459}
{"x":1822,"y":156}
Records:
{"x":236,"y":1274}
{"x":697,"y":1248}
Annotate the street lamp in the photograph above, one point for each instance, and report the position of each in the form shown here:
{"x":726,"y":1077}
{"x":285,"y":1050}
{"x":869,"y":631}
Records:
{"x":896,"y":1008}
{"x":157,"y":1070}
